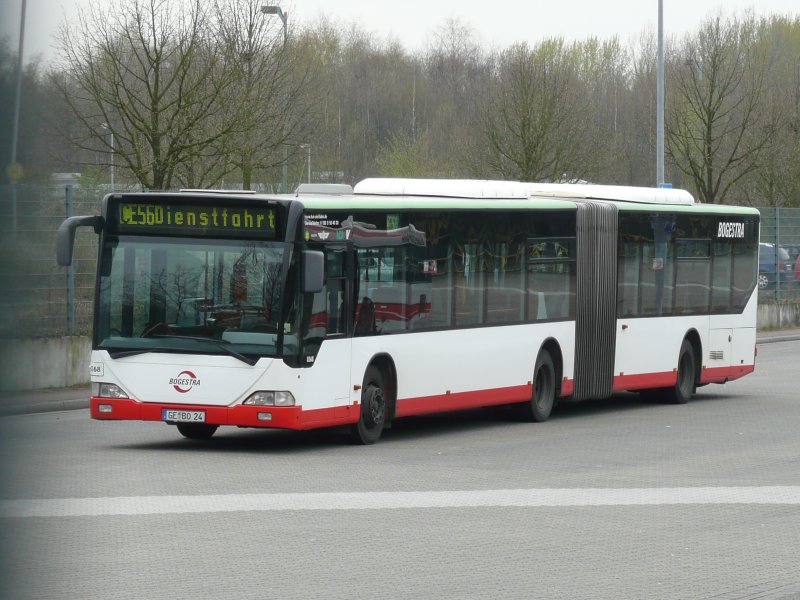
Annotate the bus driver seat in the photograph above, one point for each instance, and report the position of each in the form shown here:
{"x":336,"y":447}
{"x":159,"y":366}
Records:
{"x":365,"y":320}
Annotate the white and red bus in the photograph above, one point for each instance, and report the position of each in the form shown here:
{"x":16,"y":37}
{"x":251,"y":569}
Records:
{"x":407,"y":297}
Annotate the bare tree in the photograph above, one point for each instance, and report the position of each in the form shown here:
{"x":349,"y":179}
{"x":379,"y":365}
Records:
{"x":403,"y":156}
{"x":602,"y":69}
{"x":716,"y":129}
{"x":147,"y":71}
{"x":270,"y":95}
{"x":452,"y":96}
{"x":777,"y":182}
{"x":535,"y":124}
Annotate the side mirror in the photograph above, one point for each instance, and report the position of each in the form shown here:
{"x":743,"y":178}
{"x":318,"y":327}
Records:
{"x":66,"y":236}
{"x":312,"y":264}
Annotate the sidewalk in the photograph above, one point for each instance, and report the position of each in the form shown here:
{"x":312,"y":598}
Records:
{"x":36,"y":401}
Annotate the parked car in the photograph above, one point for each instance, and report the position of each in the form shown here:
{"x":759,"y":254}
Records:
{"x":797,"y":271}
{"x":774,"y":266}
{"x":794,"y":252}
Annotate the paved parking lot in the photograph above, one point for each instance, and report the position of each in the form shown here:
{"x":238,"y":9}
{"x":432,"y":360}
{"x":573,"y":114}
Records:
{"x":614,"y":499}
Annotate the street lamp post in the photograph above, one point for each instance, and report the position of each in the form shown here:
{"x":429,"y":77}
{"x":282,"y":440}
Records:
{"x":14,"y":170}
{"x":660,"y":99}
{"x":308,"y":147}
{"x":277,"y":10}
{"x":284,"y":17}
{"x":111,"y":133}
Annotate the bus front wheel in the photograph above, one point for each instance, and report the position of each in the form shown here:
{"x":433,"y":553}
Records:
{"x":196,"y":431}
{"x":372,"y":419}
{"x":543,"y":397}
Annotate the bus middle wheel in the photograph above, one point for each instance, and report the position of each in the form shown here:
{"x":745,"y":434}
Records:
{"x":539,"y":407}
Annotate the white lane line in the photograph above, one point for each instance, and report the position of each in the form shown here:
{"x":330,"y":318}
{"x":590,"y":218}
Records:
{"x":566,"y":497}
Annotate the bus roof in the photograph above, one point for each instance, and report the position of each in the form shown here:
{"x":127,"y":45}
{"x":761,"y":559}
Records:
{"x":445,"y":188}
{"x":458,"y":194}
{"x":489,"y":189}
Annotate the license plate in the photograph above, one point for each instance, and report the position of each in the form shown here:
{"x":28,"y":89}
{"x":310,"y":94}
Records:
{"x":183,"y":416}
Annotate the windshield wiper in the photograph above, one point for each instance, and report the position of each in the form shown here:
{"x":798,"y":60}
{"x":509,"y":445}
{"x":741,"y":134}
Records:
{"x":218,"y":343}
{"x":123,"y":353}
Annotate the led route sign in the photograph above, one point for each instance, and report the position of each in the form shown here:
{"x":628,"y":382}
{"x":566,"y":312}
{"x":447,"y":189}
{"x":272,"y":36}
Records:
{"x":184,"y":219}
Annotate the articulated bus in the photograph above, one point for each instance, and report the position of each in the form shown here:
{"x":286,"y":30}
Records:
{"x":405,"y":297}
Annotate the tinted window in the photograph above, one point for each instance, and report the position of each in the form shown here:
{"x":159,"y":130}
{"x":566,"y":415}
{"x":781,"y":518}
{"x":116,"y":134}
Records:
{"x":469,"y":269}
{"x":677,"y":264}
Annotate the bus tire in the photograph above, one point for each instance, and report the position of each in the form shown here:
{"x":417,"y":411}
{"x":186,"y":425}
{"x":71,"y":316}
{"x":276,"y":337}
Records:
{"x":543,"y":396}
{"x":374,"y":405}
{"x":196,"y":431}
{"x":686,"y":381}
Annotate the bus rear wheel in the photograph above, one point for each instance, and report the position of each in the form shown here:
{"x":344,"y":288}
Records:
{"x":685,"y":382}
{"x":539,"y":407}
{"x":196,"y":431}
{"x":685,"y":385}
{"x":372,"y":419}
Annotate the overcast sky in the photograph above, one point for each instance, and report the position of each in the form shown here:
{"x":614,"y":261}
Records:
{"x":497,"y":23}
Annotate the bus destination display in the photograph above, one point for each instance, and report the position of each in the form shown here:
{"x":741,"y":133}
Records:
{"x":184,"y":219}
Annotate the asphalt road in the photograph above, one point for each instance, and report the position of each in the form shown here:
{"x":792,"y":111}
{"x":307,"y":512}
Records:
{"x":616,"y":499}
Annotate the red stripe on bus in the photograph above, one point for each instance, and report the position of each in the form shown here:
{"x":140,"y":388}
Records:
{"x":644,"y":381}
{"x":723,"y":374}
{"x":462,"y":400}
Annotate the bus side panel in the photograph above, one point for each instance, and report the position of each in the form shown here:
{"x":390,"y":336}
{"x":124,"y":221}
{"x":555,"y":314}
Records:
{"x":740,"y":357}
{"x":743,"y":353}
{"x":464,"y":368}
{"x":326,"y":384}
{"x":647,"y":350}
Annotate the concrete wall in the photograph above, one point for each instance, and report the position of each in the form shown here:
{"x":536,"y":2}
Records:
{"x":778,"y":315}
{"x":44,"y":363}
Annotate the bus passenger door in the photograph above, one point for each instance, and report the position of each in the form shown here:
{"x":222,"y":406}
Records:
{"x":327,"y":345}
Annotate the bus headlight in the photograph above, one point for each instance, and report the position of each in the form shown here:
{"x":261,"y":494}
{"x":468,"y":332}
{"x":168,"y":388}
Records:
{"x":284,"y":399}
{"x":270,"y":399}
{"x":107,"y":390}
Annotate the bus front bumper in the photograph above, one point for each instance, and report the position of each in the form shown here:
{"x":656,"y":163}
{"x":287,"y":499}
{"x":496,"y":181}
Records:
{"x":280,"y":417}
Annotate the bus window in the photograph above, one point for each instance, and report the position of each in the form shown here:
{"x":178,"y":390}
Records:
{"x":505,"y":286}
{"x":468,"y":283}
{"x":745,"y":267}
{"x":385,"y":303}
{"x":722,"y":272}
{"x":692,"y":275}
{"x":628,"y":271}
{"x":551,"y":278}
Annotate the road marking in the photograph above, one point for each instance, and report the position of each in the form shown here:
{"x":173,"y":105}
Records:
{"x":566,"y":497}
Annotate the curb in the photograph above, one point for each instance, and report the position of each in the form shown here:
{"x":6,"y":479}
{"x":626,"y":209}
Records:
{"x":778,"y":338}
{"x":42,"y":407}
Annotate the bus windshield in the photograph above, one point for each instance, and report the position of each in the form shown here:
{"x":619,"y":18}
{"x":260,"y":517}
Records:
{"x":191,"y":296}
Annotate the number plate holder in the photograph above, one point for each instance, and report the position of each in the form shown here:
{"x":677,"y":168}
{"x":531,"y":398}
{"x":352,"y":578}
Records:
{"x":174,"y":415}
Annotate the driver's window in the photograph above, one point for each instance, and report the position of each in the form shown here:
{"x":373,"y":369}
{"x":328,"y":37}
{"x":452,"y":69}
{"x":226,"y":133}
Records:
{"x":324,"y":311}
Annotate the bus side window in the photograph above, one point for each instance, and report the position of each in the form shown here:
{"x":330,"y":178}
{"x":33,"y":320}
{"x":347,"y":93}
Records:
{"x":337,"y":321}
{"x":551,"y":278}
